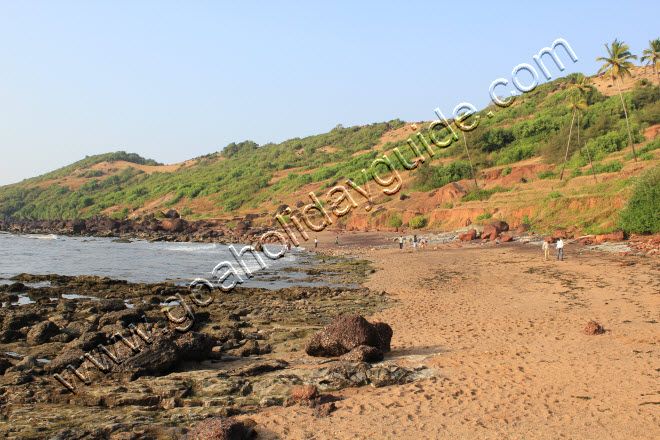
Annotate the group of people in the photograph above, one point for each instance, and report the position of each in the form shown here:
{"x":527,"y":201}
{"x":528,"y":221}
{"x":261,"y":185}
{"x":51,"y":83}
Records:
{"x":416,"y":243}
{"x":560,"y":249}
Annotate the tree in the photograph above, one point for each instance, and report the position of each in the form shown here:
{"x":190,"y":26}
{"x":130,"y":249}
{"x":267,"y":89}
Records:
{"x":642,"y":212}
{"x":617,"y":66}
{"x":576,"y":103}
{"x":652,"y":57}
{"x":584,"y":88}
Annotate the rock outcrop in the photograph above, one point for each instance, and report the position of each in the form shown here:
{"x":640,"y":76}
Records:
{"x":347,"y":333}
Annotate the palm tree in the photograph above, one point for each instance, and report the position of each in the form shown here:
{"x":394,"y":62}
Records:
{"x":652,"y":56}
{"x":618,"y":66}
{"x":576,"y":103}
{"x":582,"y":87}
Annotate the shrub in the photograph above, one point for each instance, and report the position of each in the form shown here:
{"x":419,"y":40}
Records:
{"x":485,"y":216}
{"x":577,"y":172}
{"x":526,"y":220}
{"x":642,"y":213}
{"x":395,"y":221}
{"x":186,"y":211}
{"x":483,"y":194}
{"x":447,"y":205}
{"x":506,"y":171}
{"x":554,"y":195}
{"x":418,"y":222}
{"x":547,"y":174}
{"x":610,"y":167}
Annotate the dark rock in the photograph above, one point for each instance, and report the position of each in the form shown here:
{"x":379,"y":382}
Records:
{"x":523,"y":228}
{"x":384,"y":335}
{"x":109,"y":305}
{"x":18,"y":319}
{"x":217,"y":428}
{"x":128,"y":316}
{"x":173,"y":225}
{"x":500,"y":226}
{"x":363,"y":353}
{"x":302,"y":394}
{"x":42,"y":332}
{"x":90,"y":340}
{"x":8,"y":336}
{"x":172,"y":214}
{"x":71,"y":357}
{"x":77,"y":328}
{"x":194,"y":346}
{"x":325,"y":409}
{"x":16,"y":288}
{"x":4,"y":364}
{"x":346,"y":333}
{"x":593,"y":328}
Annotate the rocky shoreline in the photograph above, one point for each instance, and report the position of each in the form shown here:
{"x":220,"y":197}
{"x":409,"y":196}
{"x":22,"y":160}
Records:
{"x":166,"y":227}
{"x":244,"y":352}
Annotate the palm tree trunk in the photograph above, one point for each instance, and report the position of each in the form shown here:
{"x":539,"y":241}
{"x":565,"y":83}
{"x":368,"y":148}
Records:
{"x":625,"y":112}
{"x":578,"y":133}
{"x":590,"y":162}
{"x":471,"y":169}
{"x":561,"y":175}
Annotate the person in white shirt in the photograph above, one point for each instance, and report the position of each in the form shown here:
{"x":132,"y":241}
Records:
{"x":546,"y":250}
{"x":560,"y":249}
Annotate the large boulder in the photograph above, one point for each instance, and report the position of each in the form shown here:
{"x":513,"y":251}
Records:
{"x":173,"y":225}
{"x":217,"y":428}
{"x":468,"y":236}
{"x":347,"y":333}
{"x":524,"y":227}
{"x":490,"y":232}
{"x":172,"y":214}
{"x":560,"y":233}
{"x":501,"y":226}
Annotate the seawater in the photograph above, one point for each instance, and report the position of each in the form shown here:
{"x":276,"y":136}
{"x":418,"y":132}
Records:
{"x":139,"y":261}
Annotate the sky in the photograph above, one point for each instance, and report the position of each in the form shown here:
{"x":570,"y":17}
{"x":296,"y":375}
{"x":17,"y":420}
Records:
{"x":173,"y":80}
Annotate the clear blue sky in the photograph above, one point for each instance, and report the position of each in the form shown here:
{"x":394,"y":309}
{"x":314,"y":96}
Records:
{"x":174,"y":80}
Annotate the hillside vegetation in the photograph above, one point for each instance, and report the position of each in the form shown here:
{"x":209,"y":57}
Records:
{"x":517,"y":155}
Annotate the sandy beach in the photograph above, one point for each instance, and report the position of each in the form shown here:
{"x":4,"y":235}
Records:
{"x":504,"y":329}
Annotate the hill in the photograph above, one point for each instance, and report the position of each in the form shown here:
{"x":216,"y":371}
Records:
{"x":517,"y":155}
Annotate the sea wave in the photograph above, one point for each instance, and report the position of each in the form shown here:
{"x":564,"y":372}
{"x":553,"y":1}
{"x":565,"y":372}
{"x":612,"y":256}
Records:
{"x":192,"y":248}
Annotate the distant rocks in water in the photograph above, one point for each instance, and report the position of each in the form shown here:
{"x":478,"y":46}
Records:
{"x":218,"y":428}
{"x":348,"y":333}
{"x":593,"y":328}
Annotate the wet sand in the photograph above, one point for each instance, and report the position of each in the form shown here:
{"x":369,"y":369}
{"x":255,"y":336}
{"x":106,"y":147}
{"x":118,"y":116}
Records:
{"x":504,"y":327}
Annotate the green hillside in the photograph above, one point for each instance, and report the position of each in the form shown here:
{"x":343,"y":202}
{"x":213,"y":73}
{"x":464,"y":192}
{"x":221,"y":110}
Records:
{"x":246,"y":177}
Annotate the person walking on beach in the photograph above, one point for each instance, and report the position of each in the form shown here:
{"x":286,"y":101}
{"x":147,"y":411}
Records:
{"x":546,"y":250}
{"x":560,"y":249}
{"x":337,"y":241}
{"x":401,"y":241}
{"x":415,"y":241}
{"x":316,"y":242}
